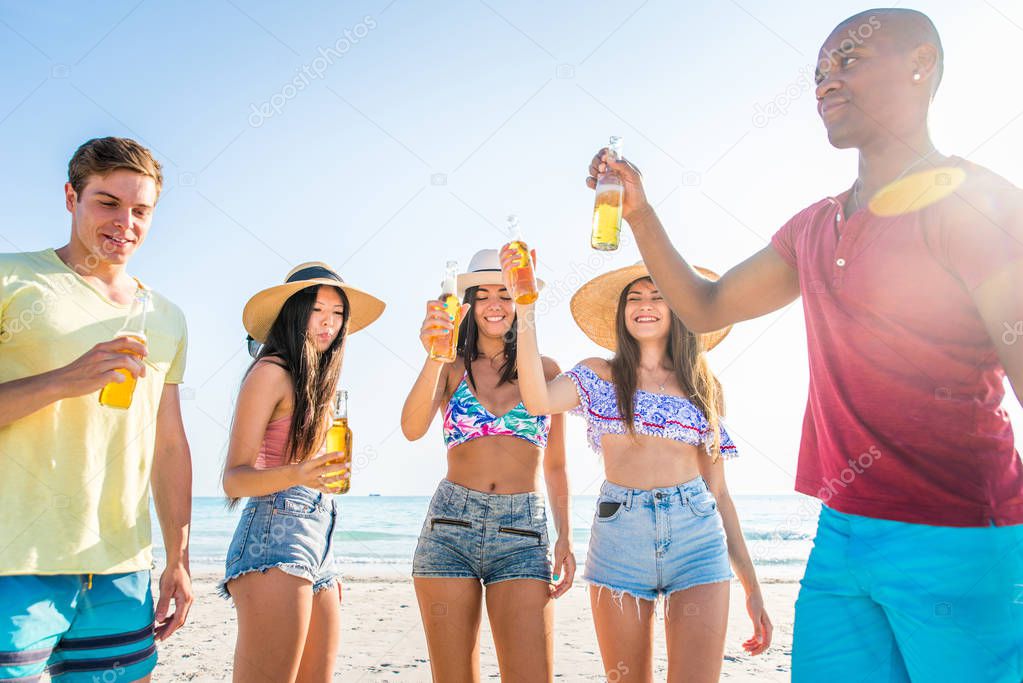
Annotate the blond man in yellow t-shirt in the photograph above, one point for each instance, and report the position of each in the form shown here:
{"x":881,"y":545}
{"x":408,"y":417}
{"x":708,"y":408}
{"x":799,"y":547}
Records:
{"x":75,"y":475}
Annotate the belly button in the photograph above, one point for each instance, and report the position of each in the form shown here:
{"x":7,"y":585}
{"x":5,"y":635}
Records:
{"x":493,"y":486}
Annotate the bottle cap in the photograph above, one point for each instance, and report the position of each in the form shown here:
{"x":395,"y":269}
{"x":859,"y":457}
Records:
{"x":615,"y":145}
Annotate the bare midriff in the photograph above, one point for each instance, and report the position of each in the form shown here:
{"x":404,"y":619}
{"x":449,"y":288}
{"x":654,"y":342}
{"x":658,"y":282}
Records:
{"x":496,"y":464}
{"x":649,"y":462}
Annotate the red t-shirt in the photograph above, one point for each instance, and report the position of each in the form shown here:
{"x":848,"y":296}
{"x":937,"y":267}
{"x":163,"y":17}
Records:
{"x":903,"y":419}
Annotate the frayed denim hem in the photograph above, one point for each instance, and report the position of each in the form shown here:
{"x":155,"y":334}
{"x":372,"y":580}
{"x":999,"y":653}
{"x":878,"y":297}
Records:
{"x":618,"y":594}
{"x":291,"y":568}
{"x":330,"y":583}
{"x":531,"y":577}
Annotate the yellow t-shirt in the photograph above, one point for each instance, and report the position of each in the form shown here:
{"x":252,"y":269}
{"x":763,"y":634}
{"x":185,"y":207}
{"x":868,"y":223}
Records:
{"x":74,"y":475}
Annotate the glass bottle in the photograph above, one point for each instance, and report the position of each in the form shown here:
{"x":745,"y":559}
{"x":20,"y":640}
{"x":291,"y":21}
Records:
{"x":607,"y":208}
{"x":339,"y":440}
{"x":119,"y":394}
{"x":522,"y":276}
{"x":445,"y":347}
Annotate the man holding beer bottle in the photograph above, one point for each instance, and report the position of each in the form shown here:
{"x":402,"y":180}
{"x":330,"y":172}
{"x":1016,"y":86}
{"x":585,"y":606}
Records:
{"x":909,"y":281}
{"x":79,"y":449}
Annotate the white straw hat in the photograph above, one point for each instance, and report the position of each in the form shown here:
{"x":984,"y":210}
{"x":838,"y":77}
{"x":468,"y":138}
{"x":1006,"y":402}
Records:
{"x":262,"y":309}
{"x":484,"y":269}
{"x":595,"y":305}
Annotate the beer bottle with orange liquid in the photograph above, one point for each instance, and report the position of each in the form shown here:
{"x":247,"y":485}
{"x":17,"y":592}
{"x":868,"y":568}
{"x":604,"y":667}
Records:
{"x":522,"y":276}
{"x":119,"y":394}
{"x":445,"y":347}
{"x":607,"y":209}
{"x":339,"y":440}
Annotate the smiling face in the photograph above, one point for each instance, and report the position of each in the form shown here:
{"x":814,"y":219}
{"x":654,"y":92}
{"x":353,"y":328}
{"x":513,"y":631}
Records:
{"x":326,"y":318}
{"x":647,"y":316}
{"x":494,"y":311}
{"x":110,"y":218}
{"x":866,"y":88}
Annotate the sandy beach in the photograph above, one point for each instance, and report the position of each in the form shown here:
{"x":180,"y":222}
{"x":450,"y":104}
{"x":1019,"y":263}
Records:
{"x":383,"y":639}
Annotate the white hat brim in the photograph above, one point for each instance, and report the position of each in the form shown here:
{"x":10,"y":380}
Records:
{"x":484,"y":277}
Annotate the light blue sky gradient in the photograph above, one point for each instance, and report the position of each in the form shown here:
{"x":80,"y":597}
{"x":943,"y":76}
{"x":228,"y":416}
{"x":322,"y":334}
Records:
{"x":387,"y":137}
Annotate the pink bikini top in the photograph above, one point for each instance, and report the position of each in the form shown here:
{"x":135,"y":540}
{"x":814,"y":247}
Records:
{"x":275,"y":442}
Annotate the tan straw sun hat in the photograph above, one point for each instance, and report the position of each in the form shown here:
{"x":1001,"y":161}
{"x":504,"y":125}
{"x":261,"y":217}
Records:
{"x":484,"y":269}
{"x":262,"y":309}
{"x":595,"y":305}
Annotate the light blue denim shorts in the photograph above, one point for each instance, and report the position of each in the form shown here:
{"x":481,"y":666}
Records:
{"x":647,"y":543}
{"x":487,"y":536}
{"x":291,"y":530}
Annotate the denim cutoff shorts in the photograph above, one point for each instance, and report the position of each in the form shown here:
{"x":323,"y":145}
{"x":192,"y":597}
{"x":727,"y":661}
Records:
{"x":648,"y":543}
{"x":290,"y":530}
{"x":487,"y":536}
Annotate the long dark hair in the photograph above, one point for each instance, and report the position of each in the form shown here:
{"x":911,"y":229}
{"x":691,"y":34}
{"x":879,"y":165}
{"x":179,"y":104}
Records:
{"x":314,"y":375}
{"x":688,"y":361}
{"x":468,"y":337}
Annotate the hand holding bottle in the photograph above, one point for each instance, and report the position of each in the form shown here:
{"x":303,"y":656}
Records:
{"x":322,"y":473}
{"x":118,"y":393}
{"x":511,"y":256}
{"x":101,"y":365}
{"x":633,"y":195}
{"x":438,"y":324}
{"x":520,"y":281}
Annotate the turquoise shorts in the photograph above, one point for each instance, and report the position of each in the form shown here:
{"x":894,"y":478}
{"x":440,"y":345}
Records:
{"x":77,"y":632}
{"x":891,"y":601}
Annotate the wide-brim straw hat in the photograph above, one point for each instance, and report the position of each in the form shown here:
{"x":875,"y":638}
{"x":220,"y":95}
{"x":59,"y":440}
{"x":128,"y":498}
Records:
{"x":262,"y":309}
{"x":484,"y":269}
{"x":595,"y":305}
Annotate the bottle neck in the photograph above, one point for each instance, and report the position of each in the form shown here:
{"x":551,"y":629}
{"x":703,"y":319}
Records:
{"x":136,"y":320}
{"x":341,"y":407}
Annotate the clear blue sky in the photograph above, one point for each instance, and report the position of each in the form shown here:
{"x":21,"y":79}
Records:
{"x":387,"y":137}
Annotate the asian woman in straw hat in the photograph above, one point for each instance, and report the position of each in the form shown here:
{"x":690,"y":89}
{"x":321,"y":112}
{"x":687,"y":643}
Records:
{"x":665,"y":524}
{"x":487,"y":522}
{"x":280,"y":567}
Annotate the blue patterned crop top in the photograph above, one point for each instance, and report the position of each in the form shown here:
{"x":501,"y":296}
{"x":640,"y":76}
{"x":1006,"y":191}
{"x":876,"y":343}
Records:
{"x":466,"y":419}
{"x":663,"y":415}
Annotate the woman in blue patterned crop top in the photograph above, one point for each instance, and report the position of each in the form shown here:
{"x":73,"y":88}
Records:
{"x":665,"y":524}
{"x":487,"y":522}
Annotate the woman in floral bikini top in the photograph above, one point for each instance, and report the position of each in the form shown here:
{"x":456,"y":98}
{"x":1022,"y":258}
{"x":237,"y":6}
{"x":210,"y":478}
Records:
{"x":486,"y":530}
{"x":665,"y":525}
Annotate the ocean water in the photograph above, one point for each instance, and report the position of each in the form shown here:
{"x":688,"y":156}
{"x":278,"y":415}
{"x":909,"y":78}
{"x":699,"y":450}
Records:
{"x":377,"y":534}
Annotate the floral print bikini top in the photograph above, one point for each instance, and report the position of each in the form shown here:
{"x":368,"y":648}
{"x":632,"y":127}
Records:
{"x":663,"y":415}
{"x":466,"y":419}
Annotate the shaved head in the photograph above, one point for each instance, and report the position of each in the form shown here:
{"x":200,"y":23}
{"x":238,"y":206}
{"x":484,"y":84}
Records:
{"x":877,"y":74}
{"x":907,"y":29}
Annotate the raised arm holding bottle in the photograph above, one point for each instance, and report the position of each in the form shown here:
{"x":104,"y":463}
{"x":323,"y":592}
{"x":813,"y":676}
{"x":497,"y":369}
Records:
{"x":910,"y":281}
{"x":485,"y":535}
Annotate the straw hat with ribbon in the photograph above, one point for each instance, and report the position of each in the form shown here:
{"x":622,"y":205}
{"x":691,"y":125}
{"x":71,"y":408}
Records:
{"x":484,"y":269}
{"x":595,"y":305}
{"x":262,"y":309}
